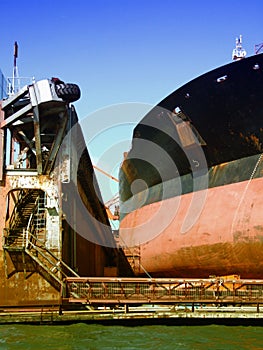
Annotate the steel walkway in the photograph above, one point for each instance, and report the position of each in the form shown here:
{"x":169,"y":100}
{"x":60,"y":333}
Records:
{"x":116,"y":291}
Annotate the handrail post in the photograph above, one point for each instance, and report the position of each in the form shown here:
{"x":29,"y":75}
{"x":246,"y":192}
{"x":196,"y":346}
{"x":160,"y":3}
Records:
{"x":4,"y":238}
{"x":27,"y":240}
{"x":23,"y":238}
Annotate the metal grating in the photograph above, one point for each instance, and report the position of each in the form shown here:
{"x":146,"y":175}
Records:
{"x":141,"y":290}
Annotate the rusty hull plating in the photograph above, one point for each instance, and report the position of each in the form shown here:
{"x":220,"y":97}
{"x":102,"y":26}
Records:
{"x":224,"y":111}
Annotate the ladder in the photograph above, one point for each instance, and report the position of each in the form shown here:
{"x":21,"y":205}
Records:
{"x":26,"y":234}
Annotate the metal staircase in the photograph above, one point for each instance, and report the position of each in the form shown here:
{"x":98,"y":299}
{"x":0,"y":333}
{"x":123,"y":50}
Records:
{"x":24,"y":205}
{"x":26,"y":233}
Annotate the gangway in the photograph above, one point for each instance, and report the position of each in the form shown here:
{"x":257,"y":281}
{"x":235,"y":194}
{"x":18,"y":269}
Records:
{"x":140,"y":291}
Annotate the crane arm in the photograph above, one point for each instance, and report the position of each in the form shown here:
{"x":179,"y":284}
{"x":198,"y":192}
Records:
{"x":104,"y":172}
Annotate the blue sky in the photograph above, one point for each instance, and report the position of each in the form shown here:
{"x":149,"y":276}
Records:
{"x":124,"y":51}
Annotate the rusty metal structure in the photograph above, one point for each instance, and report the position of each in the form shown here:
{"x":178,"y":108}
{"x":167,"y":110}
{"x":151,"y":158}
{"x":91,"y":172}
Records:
{"x":38,"y":246}
{"x":225,"y":290}
{"x":45,"y":259}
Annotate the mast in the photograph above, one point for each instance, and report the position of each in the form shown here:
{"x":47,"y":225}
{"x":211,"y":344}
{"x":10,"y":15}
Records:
{"x":238,"y":52}
{"x":15,"y":79}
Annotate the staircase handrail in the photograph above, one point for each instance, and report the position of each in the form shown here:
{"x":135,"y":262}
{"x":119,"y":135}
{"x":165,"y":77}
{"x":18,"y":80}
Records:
{"x":14,"y":212}
{"x":31,"y":237}
{"x":31,"y":223}
{"x":40,"y":247}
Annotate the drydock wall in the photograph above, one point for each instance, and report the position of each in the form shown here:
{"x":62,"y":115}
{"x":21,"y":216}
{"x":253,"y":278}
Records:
{"x":34,"y":260}
{"x":19,"y":287}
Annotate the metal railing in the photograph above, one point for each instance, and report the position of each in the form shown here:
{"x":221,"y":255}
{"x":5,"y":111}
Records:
{"x":14,"y":233}
{"x":37,"y":225}
{"x":46,"y":258}
{"x":15,"y":212}
{"x":32,"y":240}
{"x":14,"y":84}
{"x":144,"y":290}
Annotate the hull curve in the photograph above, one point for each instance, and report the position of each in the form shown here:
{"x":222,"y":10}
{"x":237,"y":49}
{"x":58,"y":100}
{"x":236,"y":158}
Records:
{"x":212,"y":131}
{"x":227,"y":237}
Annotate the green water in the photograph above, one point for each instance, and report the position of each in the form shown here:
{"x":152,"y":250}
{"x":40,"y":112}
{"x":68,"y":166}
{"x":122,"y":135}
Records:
{"x":86,"y":336}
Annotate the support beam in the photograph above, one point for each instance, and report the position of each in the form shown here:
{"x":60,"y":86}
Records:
{"x":2,"y":144}
{"x":18,"y":115}
{"x":37,"y":140}
{"x":57,"y":142}
{"x":12,"y":99}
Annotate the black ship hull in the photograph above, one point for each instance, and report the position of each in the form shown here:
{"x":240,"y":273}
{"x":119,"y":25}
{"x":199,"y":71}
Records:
{"x":205,"y":139}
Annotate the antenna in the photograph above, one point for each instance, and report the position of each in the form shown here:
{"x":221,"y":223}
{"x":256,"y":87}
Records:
{"x":238,"y":52}
{"x":15,"y":53}
{"x":15,"y":80}
{"x":15,"y":86}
